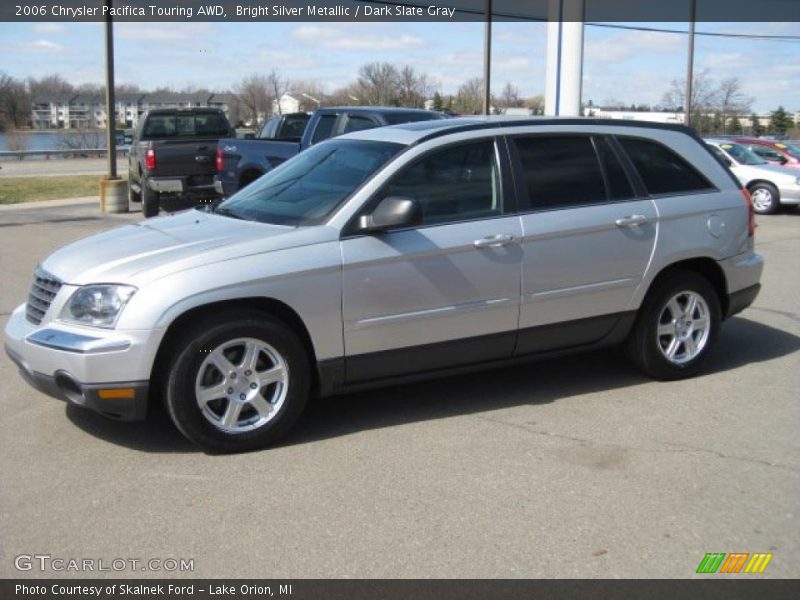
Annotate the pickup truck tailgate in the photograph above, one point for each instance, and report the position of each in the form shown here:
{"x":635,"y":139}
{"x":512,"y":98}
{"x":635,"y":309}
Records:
{"x":184,"y":157}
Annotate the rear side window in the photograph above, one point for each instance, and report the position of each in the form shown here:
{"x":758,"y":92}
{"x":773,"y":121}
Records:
{"x":561,"y":171}
{"x":324,"y":128}
{"x":661,"y":170}
{"x":358,"y":123}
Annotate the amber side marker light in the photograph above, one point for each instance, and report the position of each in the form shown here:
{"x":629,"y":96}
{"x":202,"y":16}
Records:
{"x":117,"y":393}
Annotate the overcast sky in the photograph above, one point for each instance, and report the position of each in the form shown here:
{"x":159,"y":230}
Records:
{"x":629,"y":66}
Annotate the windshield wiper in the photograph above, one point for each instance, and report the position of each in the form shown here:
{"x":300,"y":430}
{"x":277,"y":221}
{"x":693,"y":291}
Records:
{"x":222,"y":210}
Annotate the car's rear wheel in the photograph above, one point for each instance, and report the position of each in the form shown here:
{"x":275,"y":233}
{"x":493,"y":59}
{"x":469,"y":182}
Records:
{"x":237,"y":385}
{"x":150,"y":202}
{"x":766,"y":198}
{"x":676,"y":328}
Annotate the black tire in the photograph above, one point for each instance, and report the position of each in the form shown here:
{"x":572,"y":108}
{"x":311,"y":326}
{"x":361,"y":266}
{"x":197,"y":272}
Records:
{"x":191,"y":352}
{"x":647,"y":349}
{"x":150,"y":202}
{"x":766,"y":198}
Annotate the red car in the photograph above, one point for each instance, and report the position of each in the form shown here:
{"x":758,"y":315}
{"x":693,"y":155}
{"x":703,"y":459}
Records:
{"x":786,"y":153}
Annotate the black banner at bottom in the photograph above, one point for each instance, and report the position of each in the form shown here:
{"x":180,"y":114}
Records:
{"x":728,"y":588}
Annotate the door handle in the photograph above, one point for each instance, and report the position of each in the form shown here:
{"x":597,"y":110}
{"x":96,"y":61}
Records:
{"x":201,"y":158}
{"x":494,"y":241}
{"x":631,"y":221}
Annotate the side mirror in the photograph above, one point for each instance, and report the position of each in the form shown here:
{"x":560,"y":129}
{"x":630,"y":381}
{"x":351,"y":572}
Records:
{"x":393,"y":211}
{"x":783,"y":160}
{"x":728,"y":161}
{"x":249,"y":136}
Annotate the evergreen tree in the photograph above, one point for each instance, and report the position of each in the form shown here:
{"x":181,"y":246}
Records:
{"x":438,"y":102}
{"x":755,"y":125}
{"x":735,"y":126}
{"x":780,"y":121}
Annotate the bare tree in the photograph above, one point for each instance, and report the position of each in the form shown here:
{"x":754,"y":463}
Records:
{"x":49,"y":85}
{"x":278,"y":86}
{"x":732,"y":102}
{"x":81,"y":139}
{"x":378,"y":84}
{"x":469,"y":97}
{"x":15,"y":104}
{"x":413,"y":88}
{"x":255,"y":96}
{"x":509,"y":97}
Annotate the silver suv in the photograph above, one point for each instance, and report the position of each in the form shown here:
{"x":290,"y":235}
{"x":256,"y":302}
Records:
{"x":394,"y":254}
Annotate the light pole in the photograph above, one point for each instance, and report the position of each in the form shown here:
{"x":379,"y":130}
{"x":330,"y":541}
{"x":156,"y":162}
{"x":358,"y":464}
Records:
{"x":111,"y":145}
{"x":487,"y":59}
{"x":687,"y":118}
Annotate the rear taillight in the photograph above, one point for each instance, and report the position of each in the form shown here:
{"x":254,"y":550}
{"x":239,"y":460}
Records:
{"x":751,"y":213}
{"x":150,"y":160}
{"x":219,"y":160}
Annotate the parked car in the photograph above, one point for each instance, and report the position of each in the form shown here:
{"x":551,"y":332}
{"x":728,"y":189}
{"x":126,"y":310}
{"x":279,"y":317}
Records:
{"x":240,"y":162}
{"x":769,"y":185}
{"x":395,"y":254}
{"x":171,"y":162}
{"x":783,"y":153}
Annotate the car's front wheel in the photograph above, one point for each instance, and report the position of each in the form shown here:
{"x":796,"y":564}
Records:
{"x":676,"y":328}
{"x":237,"y":385}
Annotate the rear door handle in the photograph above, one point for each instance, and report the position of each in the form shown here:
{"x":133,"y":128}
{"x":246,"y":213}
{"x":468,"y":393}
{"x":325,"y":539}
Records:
{"x":201,"y":158}
{"x":494,"y":241}
{"x":631,"y":221}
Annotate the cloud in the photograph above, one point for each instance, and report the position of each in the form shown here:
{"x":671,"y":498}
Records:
{"x":289,"y":60}
{"x":40,"y":46}
{"x":47,"y":28}
{"x":161,"y":31}
{"x":340,"y":38}
{"x":632,"y":44}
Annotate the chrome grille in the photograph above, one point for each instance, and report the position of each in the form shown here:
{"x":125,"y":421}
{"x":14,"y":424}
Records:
{"x":43,"y":289}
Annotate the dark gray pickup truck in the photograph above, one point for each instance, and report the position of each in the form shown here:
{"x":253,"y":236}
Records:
{"x":171,"y":162}
{"x":240,"y":162}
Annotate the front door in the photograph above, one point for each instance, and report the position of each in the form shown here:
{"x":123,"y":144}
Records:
{"x":445,"y":293}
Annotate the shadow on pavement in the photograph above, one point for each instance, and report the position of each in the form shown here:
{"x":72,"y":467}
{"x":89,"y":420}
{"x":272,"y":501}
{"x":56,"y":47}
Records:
{"x":741,"y":342}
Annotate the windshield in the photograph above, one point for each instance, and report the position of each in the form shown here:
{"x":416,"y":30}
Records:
{"x":307,"y":188}
{"x":742,"y":155}
{"x":792,"y":150}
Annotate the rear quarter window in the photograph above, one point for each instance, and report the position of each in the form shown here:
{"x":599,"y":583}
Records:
{"x":662,"y":170}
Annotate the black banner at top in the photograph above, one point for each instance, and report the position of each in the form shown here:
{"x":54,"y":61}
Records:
{"x":410,"y":11}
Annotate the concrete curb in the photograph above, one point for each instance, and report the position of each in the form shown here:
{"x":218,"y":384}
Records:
{"x":46,"y":203}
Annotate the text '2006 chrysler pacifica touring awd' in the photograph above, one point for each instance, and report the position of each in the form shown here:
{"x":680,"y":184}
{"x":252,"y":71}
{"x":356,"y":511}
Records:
{"x":395,"y":254}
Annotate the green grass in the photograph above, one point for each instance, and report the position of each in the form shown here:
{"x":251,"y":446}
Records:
{"x":14,"y":190}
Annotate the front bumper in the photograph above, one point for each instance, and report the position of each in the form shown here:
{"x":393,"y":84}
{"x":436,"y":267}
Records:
{"x":107,"y":371}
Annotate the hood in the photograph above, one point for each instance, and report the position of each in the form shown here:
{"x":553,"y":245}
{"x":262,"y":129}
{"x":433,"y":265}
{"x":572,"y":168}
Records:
{"x":155,"y":248}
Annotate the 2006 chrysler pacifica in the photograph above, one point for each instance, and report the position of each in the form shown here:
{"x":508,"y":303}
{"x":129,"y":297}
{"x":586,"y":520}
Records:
{"x":397,"y":253}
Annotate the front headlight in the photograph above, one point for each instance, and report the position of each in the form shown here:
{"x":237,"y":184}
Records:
{"x":97,"y":305}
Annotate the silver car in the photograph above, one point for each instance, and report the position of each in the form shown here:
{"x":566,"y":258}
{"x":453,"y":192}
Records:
{"x":770,"y":185}
{"x":397,"y":254}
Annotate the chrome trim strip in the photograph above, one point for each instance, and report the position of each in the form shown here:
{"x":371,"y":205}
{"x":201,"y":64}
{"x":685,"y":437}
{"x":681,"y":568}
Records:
{"x":73,"y":342}
{"x":581,"y":288}
{"x":422,"y":314}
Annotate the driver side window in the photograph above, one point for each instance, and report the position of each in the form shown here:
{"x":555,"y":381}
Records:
{"x":458,"y":183}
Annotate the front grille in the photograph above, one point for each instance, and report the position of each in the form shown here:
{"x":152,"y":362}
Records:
{"x":43,"y":289}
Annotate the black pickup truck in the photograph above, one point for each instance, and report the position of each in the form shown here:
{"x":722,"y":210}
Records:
{"x":171,"y":161}
{"x":240,"y":162}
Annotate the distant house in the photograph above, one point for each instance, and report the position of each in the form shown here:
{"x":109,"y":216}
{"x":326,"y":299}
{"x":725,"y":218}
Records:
{"x":286,"y":104}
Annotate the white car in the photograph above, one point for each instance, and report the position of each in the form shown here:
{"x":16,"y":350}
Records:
{"x":769,"y":185}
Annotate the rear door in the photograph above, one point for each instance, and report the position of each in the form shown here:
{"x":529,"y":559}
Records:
{"x":587,"y":238}
{"x":444,"y":293}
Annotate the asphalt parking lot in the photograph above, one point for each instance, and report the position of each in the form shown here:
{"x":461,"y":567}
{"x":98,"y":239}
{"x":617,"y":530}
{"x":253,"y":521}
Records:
{"x":575,"y":467}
